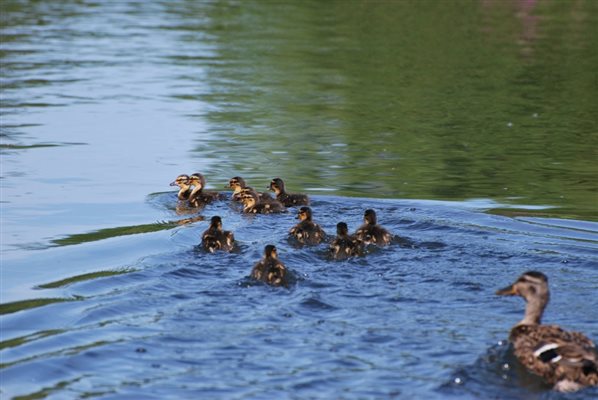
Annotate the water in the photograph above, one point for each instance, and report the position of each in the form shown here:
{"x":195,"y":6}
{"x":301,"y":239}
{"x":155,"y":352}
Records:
{"x":470,"y":127}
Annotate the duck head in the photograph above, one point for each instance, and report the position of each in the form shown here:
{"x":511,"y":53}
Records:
{"x":369,"y":217}
{"x":236,"y":183}
{"x":533,"y":287}
{"x":270,"y":251}
{"x":197,"y":180}
{"x":181,"y":181}
{"x":342,"y":229}
{"x":304,"y":214}
{"x":276,"y":185}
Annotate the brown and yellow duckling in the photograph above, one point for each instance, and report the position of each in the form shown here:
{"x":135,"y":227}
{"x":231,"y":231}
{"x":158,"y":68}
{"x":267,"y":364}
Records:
{"x":307,"y":231}
{"x":344,"y":245}
{"x":253,"y":205}
{"x":200,"y":197}
{"x":372,"y":233}
{"x":215,"y":238}
{"x":566,"y":360}
{"x":288,"y":199}
{"x":237,"y":184}
{"x":270,"y":269}
{"x":183,"y":182}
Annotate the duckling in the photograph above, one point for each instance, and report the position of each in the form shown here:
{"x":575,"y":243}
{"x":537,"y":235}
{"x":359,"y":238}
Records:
{"x":269,"y":269}
{"x":182,"y":181}
{"x":307,"y":231}
{"x":215,"y":238}
{"x":289,"y":200}
{"x":198,"y":196}
{"x":238,"y":184}
{"x":372,"y":233}
{"x":344,"y":245}
{"x":252,"y":204}
{"x":566,"y":360}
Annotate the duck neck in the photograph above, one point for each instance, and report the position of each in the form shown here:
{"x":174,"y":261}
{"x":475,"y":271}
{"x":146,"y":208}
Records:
{"x":183,"y":192}
{"x":196,"y":190}
{"x":534,"y":310}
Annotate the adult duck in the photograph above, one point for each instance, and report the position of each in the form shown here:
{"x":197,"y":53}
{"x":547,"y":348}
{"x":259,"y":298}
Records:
{"x":566,"y":360}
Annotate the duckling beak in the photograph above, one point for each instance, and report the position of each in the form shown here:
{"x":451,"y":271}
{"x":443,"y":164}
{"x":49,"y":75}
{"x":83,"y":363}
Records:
{"x":507,"y":291}
{"x":173,"y":183}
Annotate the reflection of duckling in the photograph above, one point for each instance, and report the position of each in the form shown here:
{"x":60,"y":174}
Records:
{"x":307,"y":231}
{"x":269,"y":269}
{"x":238,"y":184}
{"x":344,"y":245}
{"x":372,"y":233}
{"x":215,"y":238}
{"x":198,"y":196}
{"x":289,"y":200}
{"x":182,"y":181}
{"x":567,"y":360}
{"x":252,"y":205}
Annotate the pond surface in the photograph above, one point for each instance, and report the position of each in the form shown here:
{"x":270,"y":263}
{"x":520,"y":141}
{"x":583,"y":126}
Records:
{"x":470,"y":127}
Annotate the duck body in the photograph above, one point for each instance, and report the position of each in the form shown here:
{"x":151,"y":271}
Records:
{"x":198,"y":196}
{"x":306,"y":231}
{"x":215,"y":238}
{"x":344,"y":245}
{"x":184,"y":184}
{"x":566,"y":360}
{"x":287,"y":199}
{"x":270,"y":269}
{"x":372,"y":233}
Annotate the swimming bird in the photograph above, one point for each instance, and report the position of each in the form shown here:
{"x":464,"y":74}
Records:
{"x":215,"y":238}
{"x":567,"y":360}
{"x":288,"y":199}
{"x":199,"y":196}
{"x":182,"y":181}
{"x":344,"y":245}
{"x":372,"y":233}
{"x":270,"y":269}
{"x":307,"y":231}
{"x":238,"y":184}
{"x":253,"y":205}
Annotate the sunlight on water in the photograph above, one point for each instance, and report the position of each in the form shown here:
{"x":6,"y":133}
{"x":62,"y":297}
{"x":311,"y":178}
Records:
{"x":469,"y":126}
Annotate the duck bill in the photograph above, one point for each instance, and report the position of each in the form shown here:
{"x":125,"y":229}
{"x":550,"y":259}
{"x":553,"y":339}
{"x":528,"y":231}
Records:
{"x":507,"y":291}
{"x":173,"y":183}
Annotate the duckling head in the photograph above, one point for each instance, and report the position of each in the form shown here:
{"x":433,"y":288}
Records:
{"x":181,"y":181}
{"x":533,"y":287}
{"x":216,"y":222}
{"x":276,"y":185}
{"x":248,"y":197}
{"x":369,"y":217}
{"x":342,"y":229}
{"x":236,"y":183}
{"x":270,"y":251}
{"x":304,"y":214}
{"x":198,"y":180}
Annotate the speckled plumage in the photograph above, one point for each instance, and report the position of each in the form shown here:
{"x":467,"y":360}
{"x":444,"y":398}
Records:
{"x":215,"y":238}
{"x":306,"y":231}
{"x":344,"y":245}
{"x":566,"y":360}
{"x":270,"y":269}
{"x":372,"y":233}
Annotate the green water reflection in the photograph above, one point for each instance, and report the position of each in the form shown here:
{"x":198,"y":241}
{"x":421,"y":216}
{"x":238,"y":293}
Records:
{"x":410,"y":99}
